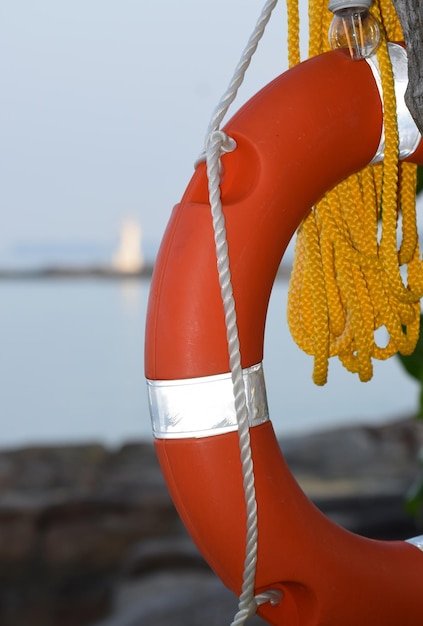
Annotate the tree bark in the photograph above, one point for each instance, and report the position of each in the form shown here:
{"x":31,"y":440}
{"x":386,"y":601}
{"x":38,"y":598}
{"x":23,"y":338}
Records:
{"x":410,"y":14}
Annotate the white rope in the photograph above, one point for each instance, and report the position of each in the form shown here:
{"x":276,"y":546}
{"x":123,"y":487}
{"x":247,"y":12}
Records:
{"x":239,"y":73}
{"x":247,"y":607}
{"x":216,"y":144}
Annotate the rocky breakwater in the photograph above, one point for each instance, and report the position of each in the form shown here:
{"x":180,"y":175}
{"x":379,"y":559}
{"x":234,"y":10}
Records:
{"x":68,"y":518}
{"x":90,"y":536}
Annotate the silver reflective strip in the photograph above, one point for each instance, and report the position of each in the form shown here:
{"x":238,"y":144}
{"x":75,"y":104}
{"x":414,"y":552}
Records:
{"x":409,"y":135}
{"x":203,"y":407}
{"x":416,"y":541}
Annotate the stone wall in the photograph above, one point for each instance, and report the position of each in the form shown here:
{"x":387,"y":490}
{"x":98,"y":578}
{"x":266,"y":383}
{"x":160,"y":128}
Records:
{"x":89,"y":536}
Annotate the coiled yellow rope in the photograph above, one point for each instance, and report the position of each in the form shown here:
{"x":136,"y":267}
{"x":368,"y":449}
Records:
{"x":357,"y":265}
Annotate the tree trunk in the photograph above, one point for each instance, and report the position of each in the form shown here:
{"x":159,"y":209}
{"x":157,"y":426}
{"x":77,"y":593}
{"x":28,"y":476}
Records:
{"x":410,"y":14}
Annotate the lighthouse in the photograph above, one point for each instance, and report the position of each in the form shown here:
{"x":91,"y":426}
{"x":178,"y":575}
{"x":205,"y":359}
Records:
{"x":129,"y":258}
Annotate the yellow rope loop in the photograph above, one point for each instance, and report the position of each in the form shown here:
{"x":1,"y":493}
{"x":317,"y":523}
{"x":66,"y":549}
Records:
{"x":408,"y":173}
{"x":354,"y":273}
{"x":298,"y":308}
{"x":385,"y":12}
{"x":319,"y":18}
{"x":314,"y":268}
{"x":337,"y":316}
{"x":293,"y":18}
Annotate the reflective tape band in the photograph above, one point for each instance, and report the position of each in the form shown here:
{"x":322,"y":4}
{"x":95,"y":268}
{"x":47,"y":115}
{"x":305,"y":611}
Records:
{"x":416,"y":541}
{"x":204,"y":407}
{"x":409,"y":134}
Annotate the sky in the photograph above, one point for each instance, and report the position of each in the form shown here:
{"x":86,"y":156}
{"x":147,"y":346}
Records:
{"x":104,"y":108}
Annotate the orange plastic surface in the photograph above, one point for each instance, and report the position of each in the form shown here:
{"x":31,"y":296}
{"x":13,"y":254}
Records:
{"x":298,"y":137}
{"x":329,"y":576}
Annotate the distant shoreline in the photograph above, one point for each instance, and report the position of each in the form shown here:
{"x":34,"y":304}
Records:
{"x":102,"y":272}
{"x":59,"y":272}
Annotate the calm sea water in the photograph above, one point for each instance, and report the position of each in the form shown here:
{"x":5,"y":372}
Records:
{"x":71,"y":368}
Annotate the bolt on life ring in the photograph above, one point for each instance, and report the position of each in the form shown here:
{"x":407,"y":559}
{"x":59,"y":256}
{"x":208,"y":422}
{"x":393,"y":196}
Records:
{"x":323,"y":118}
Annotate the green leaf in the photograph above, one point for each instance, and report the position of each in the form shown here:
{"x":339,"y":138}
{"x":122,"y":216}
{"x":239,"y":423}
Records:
{"x":414,"y":501}
{"x":413,"y":363}
{"x":419,"y":188}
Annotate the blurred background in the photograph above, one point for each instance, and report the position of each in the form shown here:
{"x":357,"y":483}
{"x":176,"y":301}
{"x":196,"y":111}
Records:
{"x":103,"y":112}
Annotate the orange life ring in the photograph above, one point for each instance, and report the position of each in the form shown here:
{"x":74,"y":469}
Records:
{"x":323,"y":117}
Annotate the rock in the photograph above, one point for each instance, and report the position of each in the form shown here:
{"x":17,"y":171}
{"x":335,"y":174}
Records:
{"x":187,"y":598}
{"x":90,"y":536}
{"x":172,"y":553}
{"x":68,"y":517}
{"x":168,"y":582}
{"x":357,"y":451}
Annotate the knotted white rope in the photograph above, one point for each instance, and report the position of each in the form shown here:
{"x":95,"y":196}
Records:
{"x":239,"y":74}
{"x":216,"y":144}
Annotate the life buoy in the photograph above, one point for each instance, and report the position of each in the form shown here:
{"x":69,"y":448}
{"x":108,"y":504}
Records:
{"x":323,"y":117}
